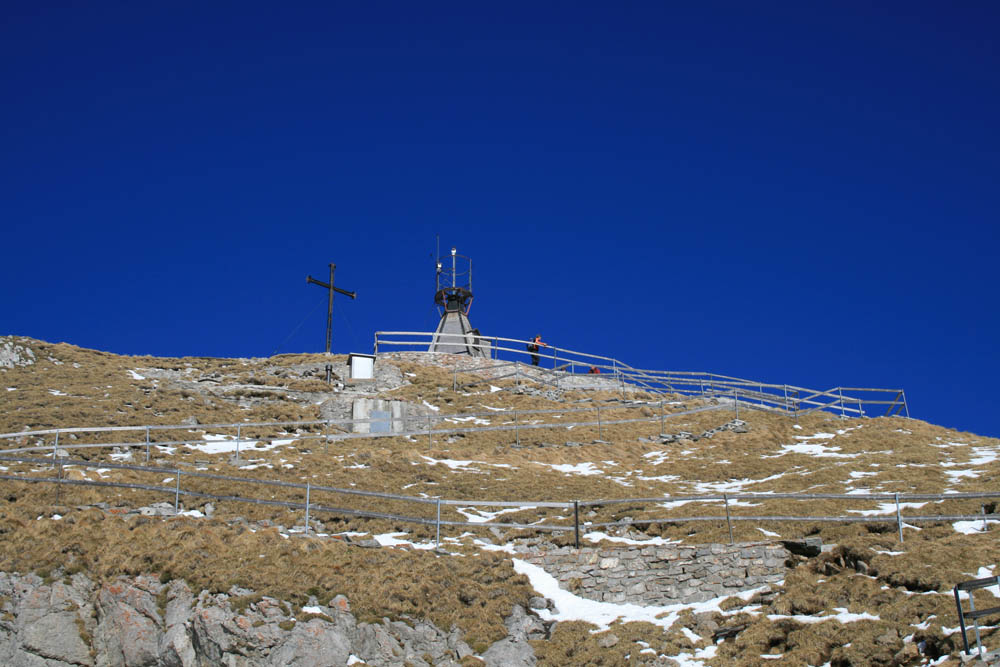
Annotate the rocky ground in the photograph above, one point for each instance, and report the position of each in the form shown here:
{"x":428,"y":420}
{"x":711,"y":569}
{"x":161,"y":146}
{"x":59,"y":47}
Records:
{"x":120,"y":578}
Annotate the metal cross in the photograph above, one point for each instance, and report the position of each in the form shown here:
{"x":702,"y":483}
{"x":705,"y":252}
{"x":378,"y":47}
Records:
{"x":329,"y":310}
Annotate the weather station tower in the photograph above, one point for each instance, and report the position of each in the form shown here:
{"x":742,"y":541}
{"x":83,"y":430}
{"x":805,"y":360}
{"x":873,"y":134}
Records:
{"x":453,"y":294}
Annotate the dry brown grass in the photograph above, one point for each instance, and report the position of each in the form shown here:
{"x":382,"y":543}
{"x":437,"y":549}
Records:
{"x":881,"y":455}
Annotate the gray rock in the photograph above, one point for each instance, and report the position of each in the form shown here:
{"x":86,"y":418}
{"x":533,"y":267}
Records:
{"x":509,"y":653}
{"x":128,"y":628}
{"x":13,"y":354}
{"x":314,"y":643}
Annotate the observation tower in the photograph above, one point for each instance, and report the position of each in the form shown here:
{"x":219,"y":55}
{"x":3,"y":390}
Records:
{"x":453,"y":293}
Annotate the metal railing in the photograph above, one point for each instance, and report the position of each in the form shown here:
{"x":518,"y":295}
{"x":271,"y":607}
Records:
{"x":973,"y":614}
{"x":429,"y":425}
{"x":176,"y":491}
{"x":562,"y":362}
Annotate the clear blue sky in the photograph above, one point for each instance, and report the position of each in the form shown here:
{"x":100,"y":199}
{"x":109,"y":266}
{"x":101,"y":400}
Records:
{"x":790,"y":192}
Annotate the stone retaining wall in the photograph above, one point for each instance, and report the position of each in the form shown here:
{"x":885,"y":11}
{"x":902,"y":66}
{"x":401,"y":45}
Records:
{"x":485,"y":367}
{"x":662,"y":575}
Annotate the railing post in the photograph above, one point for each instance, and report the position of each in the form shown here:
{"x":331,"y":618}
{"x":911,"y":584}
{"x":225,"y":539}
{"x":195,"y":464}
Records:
{"x":906,"y":407}
{"x":147,"y":444}
{"x":437,"y":524}
{"x":736,"y":402}
{"x":308,"y":489}
{"x":177,"y":491}
{"x":55,"y":450}
{"x":729,"y":521}
{"x":430,"y":443}
{"x":238,"y":444}
{"x":985,"y":528}
{"x":517,"y":433}
{"x":326,"y":435}
{"x":600,"y":431}
{"x":841,"y":393}
{"x":786,"y":399}
{"x":576,"y":523}
{"x":454,"y":377}
{"x":899,"y":519}
{"x":661,"y":416}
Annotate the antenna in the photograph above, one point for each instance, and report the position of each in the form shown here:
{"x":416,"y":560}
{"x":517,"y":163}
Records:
{"x":453,"y":293}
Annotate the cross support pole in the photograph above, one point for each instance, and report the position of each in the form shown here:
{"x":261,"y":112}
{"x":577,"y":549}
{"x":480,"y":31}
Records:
{"x":329,"y":311}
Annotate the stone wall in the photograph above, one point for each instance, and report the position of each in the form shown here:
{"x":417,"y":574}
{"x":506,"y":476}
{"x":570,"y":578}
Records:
{"x":662,"y":575}
{"x":485,"y":368}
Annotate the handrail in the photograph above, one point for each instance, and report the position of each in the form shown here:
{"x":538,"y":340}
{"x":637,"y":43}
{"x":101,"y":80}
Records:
{"x":787,"y":398}
{"x":177,"y":492}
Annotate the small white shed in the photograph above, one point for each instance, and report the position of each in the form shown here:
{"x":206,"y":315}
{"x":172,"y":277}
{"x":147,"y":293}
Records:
{"x":362,"y":366}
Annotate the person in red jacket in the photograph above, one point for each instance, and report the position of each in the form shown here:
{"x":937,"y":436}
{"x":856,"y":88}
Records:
{"x":533,"y":346}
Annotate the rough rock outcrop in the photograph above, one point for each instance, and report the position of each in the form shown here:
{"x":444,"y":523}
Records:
{"x":139,"y":621}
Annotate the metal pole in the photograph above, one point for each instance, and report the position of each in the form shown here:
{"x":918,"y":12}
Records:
{"x":661,"y":416}
{"x":576,"y":522}
{"x":899,"y":519}
{"x":429,"y":441}
{"x":786,"y":399}
{"x":326,"y":436}
{"x":454,"y":377}
{"x":600,"y":431}
{"x":437,"y":523}
{"x":517,"y":433}
{"x":841,"y":392}
{"x":308,"y":489}
{"x":329,"y":316}
{"x":906,"y":406}
{"x":961,"y":620}
{"x":237,"y":444}
{"x":55,"y":450}
{"x":729,"y":522}
{"x":984,"y":518}
{"x":177,"y":490}
{"x":147,"y":444}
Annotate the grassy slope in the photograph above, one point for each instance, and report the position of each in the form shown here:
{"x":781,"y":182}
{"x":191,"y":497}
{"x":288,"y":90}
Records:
{"x":881,"y":455}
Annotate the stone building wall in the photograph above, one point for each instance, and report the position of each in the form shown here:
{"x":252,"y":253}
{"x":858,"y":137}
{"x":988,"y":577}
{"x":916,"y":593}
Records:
{"x":662,"y":575}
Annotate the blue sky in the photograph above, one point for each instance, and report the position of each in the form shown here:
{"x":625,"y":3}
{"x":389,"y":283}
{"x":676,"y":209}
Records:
{"x":789,"y":192}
